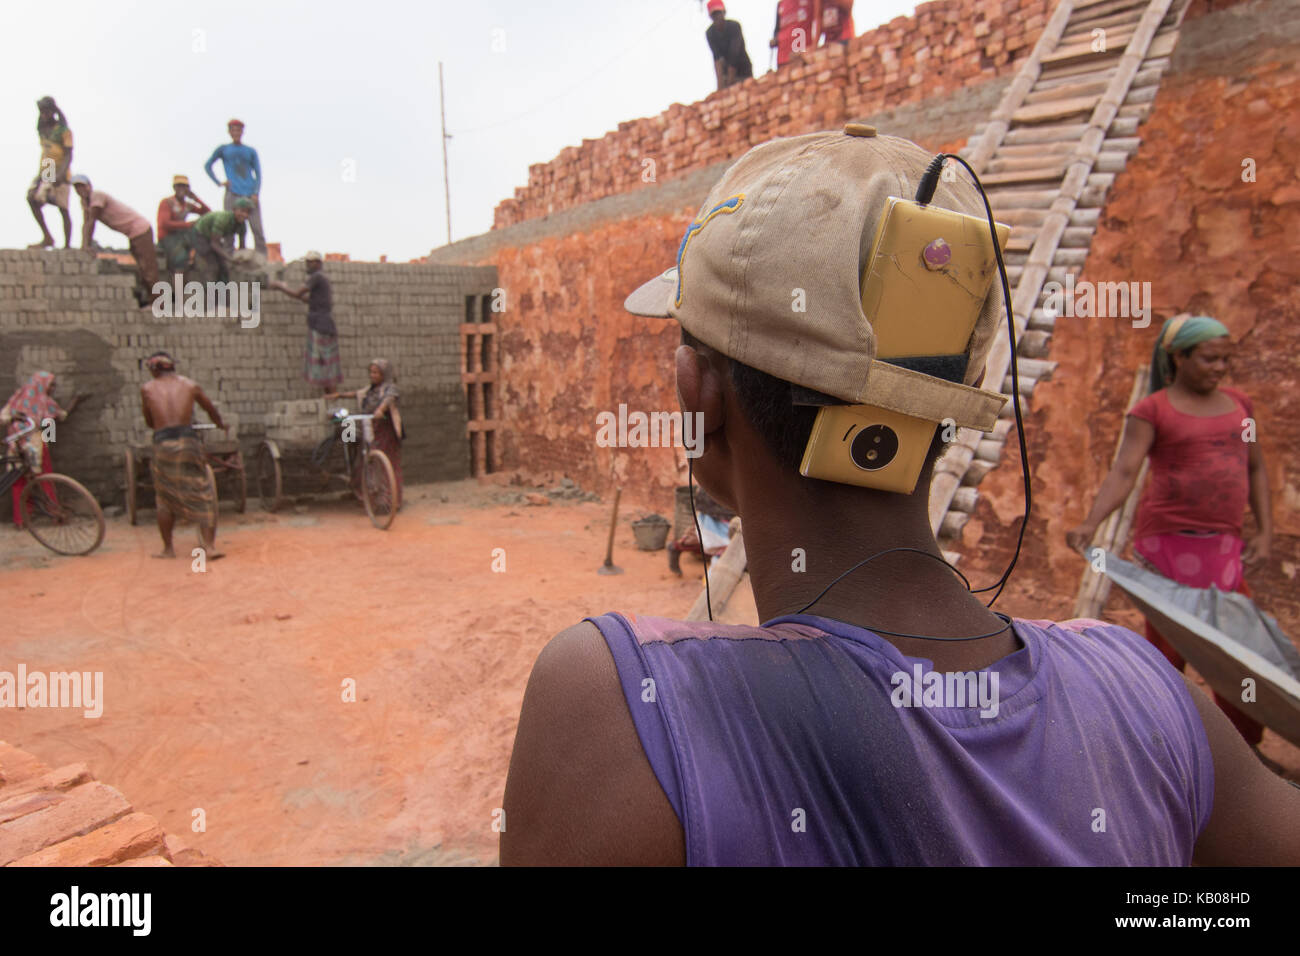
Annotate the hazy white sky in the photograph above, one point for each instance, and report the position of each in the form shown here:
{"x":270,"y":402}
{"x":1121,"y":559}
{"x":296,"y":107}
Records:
{"x":330,"y":90}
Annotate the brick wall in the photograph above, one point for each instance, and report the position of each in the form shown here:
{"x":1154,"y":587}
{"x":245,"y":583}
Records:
{"x":568,"y":350}
{"x":75,"y":317}
{"x":945,"y":47}
{"x":1179,"y":216}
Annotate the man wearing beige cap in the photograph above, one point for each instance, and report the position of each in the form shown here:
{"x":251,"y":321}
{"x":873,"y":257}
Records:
{"x":174,"y":236}
{"x":320,"y":364}
{"x":882,"y":714}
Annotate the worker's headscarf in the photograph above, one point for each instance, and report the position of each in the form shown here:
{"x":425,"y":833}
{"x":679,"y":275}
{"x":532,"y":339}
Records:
{"x":47,"y":102}
{"x":161,"y":362}
{"x":387,"y":387}
{"x":1179,"y":333}
{"x":33,"y":400}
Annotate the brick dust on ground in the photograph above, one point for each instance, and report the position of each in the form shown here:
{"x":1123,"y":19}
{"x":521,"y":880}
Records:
{"x":223,"y":689}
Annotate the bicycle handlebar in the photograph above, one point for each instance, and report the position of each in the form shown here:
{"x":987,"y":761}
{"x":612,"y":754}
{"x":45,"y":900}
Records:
{"x":31,"y":427}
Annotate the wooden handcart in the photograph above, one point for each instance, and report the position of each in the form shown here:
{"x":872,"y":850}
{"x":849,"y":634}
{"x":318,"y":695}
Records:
{"x":224,"y":460}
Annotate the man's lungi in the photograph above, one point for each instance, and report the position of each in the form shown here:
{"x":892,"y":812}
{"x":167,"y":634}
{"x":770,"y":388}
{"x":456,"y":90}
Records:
{"x":180,"y":476}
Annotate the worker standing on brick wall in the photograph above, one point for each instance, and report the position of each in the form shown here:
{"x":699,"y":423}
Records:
{"x":99,"y":206}
{"x":837,"y":21}
{"x":795,"y":30}
{"x":51,"y":184}
{"x":320,"y":363}
{"x":34,"y":400}
{"x":174,"y":235}
{"x":243,"y":171}
{"x":180,"y":474}
{"x":731,"y":62}
{"x":212,"y":235}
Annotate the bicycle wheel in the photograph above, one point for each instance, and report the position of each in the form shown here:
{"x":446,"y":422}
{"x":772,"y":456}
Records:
{"x":61,"y":514}
{"x":269,"y":486}
{"x":379,"y":489}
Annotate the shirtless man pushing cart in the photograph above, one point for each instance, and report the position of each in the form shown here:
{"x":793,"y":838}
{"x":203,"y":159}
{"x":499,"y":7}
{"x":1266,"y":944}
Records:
{"x":180,"y":473}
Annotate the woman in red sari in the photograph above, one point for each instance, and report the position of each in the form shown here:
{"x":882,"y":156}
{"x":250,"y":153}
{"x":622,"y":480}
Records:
{"x":1206,"y":467}
{"x":381,"y":400}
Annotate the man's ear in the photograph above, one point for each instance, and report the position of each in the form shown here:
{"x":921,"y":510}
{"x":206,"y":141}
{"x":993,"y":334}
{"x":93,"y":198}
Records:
{"x":699,"y":387}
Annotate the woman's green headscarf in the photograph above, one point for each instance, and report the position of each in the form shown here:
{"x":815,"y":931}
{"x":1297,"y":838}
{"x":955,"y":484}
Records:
{"x":1181,"y":332}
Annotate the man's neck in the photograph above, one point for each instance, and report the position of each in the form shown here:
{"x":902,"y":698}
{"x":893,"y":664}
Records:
{"x":800,"y":541}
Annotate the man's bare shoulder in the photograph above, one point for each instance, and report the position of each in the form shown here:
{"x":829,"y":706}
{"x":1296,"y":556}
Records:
{"x":580,"y":790}
{"x":1255,"y":820}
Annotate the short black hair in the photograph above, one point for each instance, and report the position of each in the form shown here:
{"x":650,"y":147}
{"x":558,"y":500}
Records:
{"x":768,"y":405}
{"x":765,"y":400}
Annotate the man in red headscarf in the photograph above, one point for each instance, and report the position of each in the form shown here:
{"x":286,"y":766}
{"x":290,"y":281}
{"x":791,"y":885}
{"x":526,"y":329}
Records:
{"x":731,"y":62}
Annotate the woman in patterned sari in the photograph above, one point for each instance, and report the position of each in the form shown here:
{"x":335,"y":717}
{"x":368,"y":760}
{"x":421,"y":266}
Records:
{"x":33,"y":400}
{"x":381,"y":400}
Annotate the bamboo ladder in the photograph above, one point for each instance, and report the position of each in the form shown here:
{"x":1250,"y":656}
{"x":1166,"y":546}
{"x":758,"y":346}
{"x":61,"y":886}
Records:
{"x":1047,"y":156}
{"x":1094,"y":587}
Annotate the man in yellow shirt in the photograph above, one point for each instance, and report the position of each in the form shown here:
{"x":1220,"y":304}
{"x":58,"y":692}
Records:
{"x":51,"y":183}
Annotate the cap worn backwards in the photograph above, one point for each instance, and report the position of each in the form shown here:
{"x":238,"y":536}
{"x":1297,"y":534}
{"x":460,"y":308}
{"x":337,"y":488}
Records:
{"x":769,"y":272}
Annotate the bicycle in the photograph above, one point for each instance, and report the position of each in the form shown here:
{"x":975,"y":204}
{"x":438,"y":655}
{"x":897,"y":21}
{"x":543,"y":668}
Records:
{"x":378,"y":481}
{"x":56,"y":510}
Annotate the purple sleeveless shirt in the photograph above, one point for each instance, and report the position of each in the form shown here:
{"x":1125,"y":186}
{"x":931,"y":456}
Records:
{"x":810,"y":741}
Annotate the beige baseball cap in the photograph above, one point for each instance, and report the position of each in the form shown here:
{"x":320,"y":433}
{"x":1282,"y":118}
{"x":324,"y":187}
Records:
{"x":801,"y":213}
{"x":312,"y":254}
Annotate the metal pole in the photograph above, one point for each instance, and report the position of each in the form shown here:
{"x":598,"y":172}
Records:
{"x":446,"y":180}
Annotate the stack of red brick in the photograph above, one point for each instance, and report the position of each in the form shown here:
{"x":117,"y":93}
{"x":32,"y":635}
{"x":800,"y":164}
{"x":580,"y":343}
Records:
{"x":64,"y":817}
{"x":942,"y":46}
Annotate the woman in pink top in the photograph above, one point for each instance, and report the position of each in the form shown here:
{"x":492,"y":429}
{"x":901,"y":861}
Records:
{"x":1206,"y":467}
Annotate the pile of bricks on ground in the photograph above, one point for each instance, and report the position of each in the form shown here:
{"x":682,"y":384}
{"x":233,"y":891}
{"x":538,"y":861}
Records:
{"x":303,"y":421}
{"x":65,"y":817}
{"x":942,"y":47}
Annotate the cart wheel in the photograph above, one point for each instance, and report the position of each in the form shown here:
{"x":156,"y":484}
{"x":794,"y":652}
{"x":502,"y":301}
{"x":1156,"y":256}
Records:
{"x":130,"y":485}
{"x":241,"y":482}
{"x":379,"y":489}
{"x":269,"y":485}
{"x":61,"y":514}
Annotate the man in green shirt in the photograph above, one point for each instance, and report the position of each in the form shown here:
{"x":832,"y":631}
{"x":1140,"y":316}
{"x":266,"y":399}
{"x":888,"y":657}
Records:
{"x":213,"y":237}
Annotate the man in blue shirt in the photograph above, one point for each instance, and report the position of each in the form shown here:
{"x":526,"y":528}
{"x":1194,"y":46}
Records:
{"x":243,"y":179}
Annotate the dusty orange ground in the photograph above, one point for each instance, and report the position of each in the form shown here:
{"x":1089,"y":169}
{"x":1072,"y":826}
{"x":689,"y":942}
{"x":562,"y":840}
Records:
{"x":223,"y":689}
